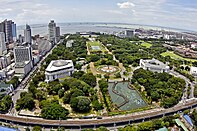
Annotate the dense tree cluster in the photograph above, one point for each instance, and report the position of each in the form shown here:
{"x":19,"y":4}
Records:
{"x":5,"y":104}
{"x":78,"y":50}
{"x":26,"y":101}
{"x":195,"y":91}
{"x":130,"y":52}
{"x":54,"y":110}
{"x":194,"y":118}
{"x":161,"y":87}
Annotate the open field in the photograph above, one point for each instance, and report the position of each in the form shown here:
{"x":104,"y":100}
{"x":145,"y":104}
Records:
{"x":146,"y":44}
{"x":176,"y":57}
{"x":124,"y":97}
{"x":95,"y":46}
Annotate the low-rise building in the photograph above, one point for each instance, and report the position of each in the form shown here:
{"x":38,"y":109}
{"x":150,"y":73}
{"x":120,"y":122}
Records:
{"x":6,"y":88}
{"x":193,"y":71}
{"x":154,"y":65}
{"x":22,"y":69}
{"x":59,"y":69}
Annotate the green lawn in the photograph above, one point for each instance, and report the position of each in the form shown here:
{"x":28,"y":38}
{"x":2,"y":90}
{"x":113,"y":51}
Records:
{"x":96,"y":43}
{"x":146,"y":44}
{"x":176,"y":57}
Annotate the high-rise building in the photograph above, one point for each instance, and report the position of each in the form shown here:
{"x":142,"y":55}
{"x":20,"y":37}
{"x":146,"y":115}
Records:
{"x":3,"y":49}
{"x":52,"y":31}
{"x":2,"y":27}
{"x":23,"y":53}
{"x":57,"y":34}
{"x":14,"y":35}
{"x":27,"y":34}
{"x":23,"y":60}
{"x":8,"y":30}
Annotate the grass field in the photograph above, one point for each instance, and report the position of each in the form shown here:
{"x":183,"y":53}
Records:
{"x":95,"y":44}
{"x":176,"y":57}
{"x":147,"y":45}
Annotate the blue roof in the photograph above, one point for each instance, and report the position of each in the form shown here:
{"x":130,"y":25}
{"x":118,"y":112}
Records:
{"x":7,"y":129}
{"x":188,"y":119}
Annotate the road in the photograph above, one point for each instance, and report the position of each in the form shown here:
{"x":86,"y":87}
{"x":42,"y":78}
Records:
{"x":188,"y":83}
{"x":24,"y":83}
{"x":109,"y":121}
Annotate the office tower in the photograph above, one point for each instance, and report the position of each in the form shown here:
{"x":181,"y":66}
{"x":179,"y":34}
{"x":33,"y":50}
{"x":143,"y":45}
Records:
{"x":14,"y":31}
{"x":3,"y":49}
{"x":57,"y":34}
{"x":27,"y":34}
{"x":22,"y":53}
{"x":8,"y":30}
{"x":2,"y":27}
{"x":52,"y":31}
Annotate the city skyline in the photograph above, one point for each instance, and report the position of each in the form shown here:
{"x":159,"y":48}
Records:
{"x":176,"y":13}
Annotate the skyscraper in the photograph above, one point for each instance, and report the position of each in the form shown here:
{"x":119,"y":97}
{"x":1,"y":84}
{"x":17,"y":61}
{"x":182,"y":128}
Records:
{"x":52,"y":31}
{"x":3,"y":49}
{"x":8,"y":30}
{"x":27,"y":34}
{"x":57,"y":34}
{"x":14,"y":31}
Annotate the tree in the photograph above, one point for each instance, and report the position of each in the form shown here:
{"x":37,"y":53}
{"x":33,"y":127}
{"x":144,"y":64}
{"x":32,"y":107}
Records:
{"x":96,"y":105}
{"x":80,"y":104}
{"x":5,"y":104}
{"x":26,"y":102}
{"x":78,"y":74}
{"x":76,"y":93}
{"x":61,"y":93}
{"x":54,"y":111}
{"x":89,"y":78}
{"x":66,"y":97}
{"x":37,"y":128}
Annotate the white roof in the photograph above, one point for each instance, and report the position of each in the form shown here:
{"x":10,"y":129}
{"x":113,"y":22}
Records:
{"x":59,"y":65}
{"x":193,"y":69}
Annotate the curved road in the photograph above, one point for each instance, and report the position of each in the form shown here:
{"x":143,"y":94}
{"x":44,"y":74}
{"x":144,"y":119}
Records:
{"x":105,"y":121}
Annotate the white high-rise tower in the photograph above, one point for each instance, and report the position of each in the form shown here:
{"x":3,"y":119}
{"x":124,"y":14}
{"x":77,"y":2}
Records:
{"x":3,"y":49}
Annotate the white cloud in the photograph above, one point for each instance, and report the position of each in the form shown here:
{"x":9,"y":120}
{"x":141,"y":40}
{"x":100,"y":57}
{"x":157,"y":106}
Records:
{"x":126,"y":5}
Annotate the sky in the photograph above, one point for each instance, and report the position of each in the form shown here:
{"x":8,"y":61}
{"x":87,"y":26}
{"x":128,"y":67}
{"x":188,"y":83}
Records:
{"x":168,"y":13}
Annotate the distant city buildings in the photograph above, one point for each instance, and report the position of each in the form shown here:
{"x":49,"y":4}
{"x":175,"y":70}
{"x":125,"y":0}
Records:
{"x":9,"y":28}
{"x":194,"y":45}
{"x":53,"y":32}
{"x":59,"y":69}
{"x":154,"y":65}
{"x":3,"y":49}
{"x":129,"y":33}
{"x":27,"y":34}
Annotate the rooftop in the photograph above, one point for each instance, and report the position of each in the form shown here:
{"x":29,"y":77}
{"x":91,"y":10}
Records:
{"x":59,"y":64}
{"x":154,"y":63}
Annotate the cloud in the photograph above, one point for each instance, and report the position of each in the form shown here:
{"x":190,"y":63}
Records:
{"x":126,"y":5}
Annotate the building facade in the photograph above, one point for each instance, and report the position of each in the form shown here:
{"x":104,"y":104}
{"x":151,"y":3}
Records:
{"x":154,"y":65}
{"x":3,"y":49}
{"x":57,"y":34}
{"x":9,"y":28}
{"x":27,"y":34}
{"x":52,"y":32}
{"x":59,"y":69}
{"x":22,"y":53}
{"x":22,"y":69}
